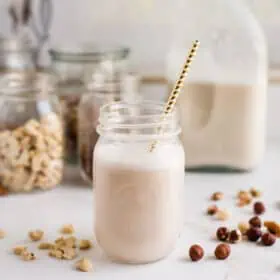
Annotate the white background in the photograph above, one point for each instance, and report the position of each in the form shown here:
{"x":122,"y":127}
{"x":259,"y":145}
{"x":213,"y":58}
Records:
{"x":76,"y":20}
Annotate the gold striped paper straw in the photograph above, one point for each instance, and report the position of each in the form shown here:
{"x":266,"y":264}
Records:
{"x":173,"y":97}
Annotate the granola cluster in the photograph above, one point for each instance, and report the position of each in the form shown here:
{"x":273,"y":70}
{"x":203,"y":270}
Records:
{"x":31,"y":156}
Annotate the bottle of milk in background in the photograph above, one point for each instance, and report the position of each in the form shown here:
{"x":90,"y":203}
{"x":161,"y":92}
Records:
{"x":223,"y":105}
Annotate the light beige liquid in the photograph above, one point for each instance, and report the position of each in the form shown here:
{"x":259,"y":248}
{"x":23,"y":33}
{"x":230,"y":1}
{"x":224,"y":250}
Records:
{"x":138,"y":211}
{"x":223,"y":125}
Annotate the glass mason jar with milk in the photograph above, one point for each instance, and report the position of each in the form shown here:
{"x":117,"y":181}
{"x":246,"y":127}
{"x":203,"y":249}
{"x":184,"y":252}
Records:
{"x":138,"y":190}
{"x":223,"y":106}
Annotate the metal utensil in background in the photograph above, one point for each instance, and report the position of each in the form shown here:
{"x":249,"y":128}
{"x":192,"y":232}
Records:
{"x":28,"y":25}
{"x":40,"y":25}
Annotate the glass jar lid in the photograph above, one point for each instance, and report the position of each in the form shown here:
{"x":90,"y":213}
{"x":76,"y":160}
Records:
{"x":88,"y":52}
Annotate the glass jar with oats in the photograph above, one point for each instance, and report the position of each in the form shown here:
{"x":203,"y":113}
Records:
{"x":31,"y":133}
{"x":72,"y":65}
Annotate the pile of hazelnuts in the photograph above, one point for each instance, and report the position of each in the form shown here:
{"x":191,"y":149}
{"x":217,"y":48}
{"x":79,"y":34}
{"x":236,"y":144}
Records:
{"x":251,"y":231}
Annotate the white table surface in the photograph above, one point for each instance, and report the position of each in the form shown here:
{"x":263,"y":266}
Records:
{"x":73,"y":203}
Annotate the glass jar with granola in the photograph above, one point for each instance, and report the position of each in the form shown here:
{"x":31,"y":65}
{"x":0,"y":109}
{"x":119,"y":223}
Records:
{"x":72,"y":65}
{"x":31,"y":134}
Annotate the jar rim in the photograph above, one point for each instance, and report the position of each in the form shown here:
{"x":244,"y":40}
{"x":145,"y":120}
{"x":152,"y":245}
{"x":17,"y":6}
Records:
{"x":146,"y":120}
{"x":88,"y":52}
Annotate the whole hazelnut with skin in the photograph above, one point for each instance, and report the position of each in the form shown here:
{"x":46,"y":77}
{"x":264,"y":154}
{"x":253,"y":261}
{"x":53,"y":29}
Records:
{"x":196,"y":252}
{"x":255,"y":222}
{"x":217,"y":196}
{"x":254,"y":234}
{"x":222,"y":233}
{"x":212,"y":210}
{"x":259,"y":208}
{"x":222,"y":251}
{"x":268,"y":239}
{"x":235,"y":236}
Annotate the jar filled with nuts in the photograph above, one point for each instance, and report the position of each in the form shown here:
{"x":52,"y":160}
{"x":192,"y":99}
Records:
{"x":31,"y":133}
{"x":72,"y":66}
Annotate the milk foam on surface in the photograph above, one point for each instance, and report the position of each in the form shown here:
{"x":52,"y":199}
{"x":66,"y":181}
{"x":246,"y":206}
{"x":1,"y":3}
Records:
{"x":137,"y":155}
{"x":138,"y":200}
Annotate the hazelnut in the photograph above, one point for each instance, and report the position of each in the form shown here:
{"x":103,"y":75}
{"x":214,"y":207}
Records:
{"x":212,"y":210}
{"x":243,"y":227}
{"x":36,"y":235}
{"x":244,"y":202}
{"x":222,"y":251}
{"x":255,"y":193}
{"x":254,"y":234}
{"x":196,"y":252}
{"x":259,"y":208}
{"x":244,"y":198}
{"x":223,"y":215}
{"x":235,"y":236}
{"x":268,"y":239}
{"x":222,"y":234}
{"x":273,"y":227}
{"x":217,"y":196}
{"x":84,"y":265}
{"x":255,"y":222}
{"x":243,"y":195}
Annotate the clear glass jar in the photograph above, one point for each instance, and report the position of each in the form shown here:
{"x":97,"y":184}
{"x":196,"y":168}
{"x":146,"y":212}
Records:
{"x":16,"y":55}
{"x":31,"y":134}
{"x":223,"y":106}
{"x":73,"y":67}
{"x":138,"y":213}
{"x":102,"y":89}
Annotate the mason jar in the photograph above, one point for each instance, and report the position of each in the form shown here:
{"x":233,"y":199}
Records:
{"x":73,"y":67}
{"x":138,"y":190}
{"x":101,"y":90}
{"x":31,"y":134}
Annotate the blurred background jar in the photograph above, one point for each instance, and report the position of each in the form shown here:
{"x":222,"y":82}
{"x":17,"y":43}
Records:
{"x":72,"y":66}
{"x":105,"y":86}
{"x":31,"y":133}
{"x":16,"y":55}
{"x":223,"y":106}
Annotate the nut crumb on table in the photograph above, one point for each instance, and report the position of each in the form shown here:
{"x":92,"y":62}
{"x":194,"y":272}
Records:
{"x":28,"y":256}
{"x":45,"y":246}
{"x":19,"y":250}
{"x":84,"y":265}
{"x":85,"y":244}
{"x":36,"y":235}
{"x":223,"y":215}
{"x":67,"y":229}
